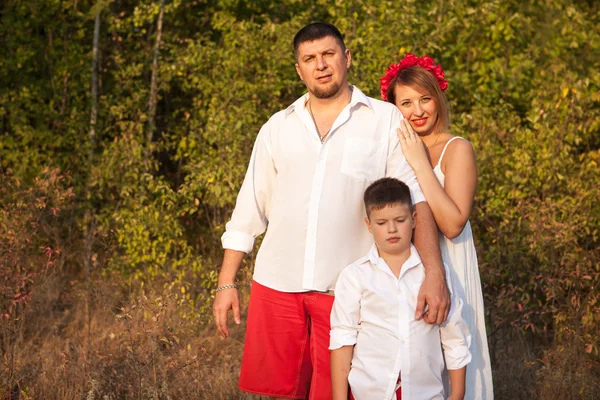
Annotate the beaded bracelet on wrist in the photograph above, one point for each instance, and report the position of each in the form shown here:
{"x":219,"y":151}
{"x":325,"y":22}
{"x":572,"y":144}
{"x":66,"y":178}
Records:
{"x":230,"y":286}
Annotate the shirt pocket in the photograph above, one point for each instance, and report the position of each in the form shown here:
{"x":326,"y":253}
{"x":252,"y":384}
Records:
{"x":363,"y":158}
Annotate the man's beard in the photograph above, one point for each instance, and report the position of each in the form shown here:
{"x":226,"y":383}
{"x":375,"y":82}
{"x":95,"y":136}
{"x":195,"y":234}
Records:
{"x":326,"y":92}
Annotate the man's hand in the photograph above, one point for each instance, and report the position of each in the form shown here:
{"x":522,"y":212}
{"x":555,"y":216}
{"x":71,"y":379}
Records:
{"x":225,"y":300}
{"x":434,"y":289}
{"x":433,"y":301}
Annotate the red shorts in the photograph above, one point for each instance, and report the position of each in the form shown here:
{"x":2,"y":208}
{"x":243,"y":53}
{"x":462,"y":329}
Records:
{"x":286,"y":348}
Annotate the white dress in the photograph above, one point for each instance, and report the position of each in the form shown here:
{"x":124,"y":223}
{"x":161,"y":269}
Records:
{"x":460,"y":255}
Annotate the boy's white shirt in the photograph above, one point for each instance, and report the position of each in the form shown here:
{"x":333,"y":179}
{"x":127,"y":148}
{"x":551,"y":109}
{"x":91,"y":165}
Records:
{"x":374,"y":312}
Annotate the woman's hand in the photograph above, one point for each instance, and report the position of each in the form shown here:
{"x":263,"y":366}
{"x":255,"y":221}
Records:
{"x":412,"y":147}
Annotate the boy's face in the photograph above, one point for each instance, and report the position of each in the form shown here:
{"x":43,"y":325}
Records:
{"x":392,"y":228}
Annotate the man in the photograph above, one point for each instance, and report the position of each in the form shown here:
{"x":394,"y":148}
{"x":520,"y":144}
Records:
{"x":309,"y":168}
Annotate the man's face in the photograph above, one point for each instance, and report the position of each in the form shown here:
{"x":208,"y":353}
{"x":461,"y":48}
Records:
{"x":322,"y":65}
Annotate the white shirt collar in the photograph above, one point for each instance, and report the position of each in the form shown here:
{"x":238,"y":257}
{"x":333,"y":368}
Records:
{"x":412,"y":261}
{"x":358,"y":97}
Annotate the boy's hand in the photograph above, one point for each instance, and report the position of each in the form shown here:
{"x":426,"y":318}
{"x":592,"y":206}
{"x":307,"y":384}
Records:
{"x":226,"y":300}
{"x":433,"y":301}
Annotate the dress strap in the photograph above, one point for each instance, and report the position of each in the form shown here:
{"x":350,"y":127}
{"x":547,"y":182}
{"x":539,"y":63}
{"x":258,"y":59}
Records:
{"x":445,"y":147}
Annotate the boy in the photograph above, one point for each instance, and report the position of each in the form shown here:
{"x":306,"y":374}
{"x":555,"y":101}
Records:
{"x":377,"y":345}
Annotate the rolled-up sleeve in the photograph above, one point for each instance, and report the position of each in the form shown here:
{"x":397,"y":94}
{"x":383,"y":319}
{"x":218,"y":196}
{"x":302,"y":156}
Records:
{"x":250,"y":216}
{"x":397,"y":166}
{"x":455,"y":335}
{"x":345,"y":313}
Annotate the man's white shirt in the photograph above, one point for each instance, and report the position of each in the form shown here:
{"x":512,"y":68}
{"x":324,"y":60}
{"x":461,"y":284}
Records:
{"x":374,"y":312}
{"x":308,"y":195}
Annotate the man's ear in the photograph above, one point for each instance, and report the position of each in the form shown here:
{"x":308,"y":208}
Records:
{"x":348,"y":58}
{"x":414,"y":221}
{"x":299,"y":73}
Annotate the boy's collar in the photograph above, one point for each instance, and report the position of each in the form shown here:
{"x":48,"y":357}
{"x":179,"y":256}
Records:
{"x":412,"y":261}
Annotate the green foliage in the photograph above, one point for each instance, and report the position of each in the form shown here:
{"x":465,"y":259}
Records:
{"x":523,"y":88}
{"x":44,"y":76}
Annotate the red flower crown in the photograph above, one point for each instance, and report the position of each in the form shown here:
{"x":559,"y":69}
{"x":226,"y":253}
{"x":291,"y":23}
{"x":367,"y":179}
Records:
{"x":410,"y":60}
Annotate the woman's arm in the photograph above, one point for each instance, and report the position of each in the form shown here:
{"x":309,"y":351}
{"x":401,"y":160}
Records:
{"x":451,"y":205}
{"x":340,"y":368}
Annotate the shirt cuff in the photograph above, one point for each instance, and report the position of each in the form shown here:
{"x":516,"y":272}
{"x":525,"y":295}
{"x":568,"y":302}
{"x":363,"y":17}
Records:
{"x":238,"y":241}
{"x":341,"y":337}
{"x":457,"y":358}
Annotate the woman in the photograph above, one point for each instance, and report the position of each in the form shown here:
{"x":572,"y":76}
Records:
{"x":445,"y":168}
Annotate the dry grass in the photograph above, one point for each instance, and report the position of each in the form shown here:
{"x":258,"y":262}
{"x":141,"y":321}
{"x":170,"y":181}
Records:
{"x":122,"y":347}
{"x":154,"y":346}
{"x":513,"y":364}
{"x":526,"y":369}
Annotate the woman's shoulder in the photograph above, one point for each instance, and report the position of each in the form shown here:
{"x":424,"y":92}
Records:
{"x":457,"y":150}
{"x":458,"y":146}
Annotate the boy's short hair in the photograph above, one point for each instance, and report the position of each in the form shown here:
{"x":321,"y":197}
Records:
{"x":385,"y":192}
{"x":316,"y":31}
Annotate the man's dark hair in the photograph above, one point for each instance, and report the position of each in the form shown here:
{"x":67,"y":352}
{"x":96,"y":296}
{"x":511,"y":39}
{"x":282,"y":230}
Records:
{"x":385,"y":192}
{"x":315,"y":31}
